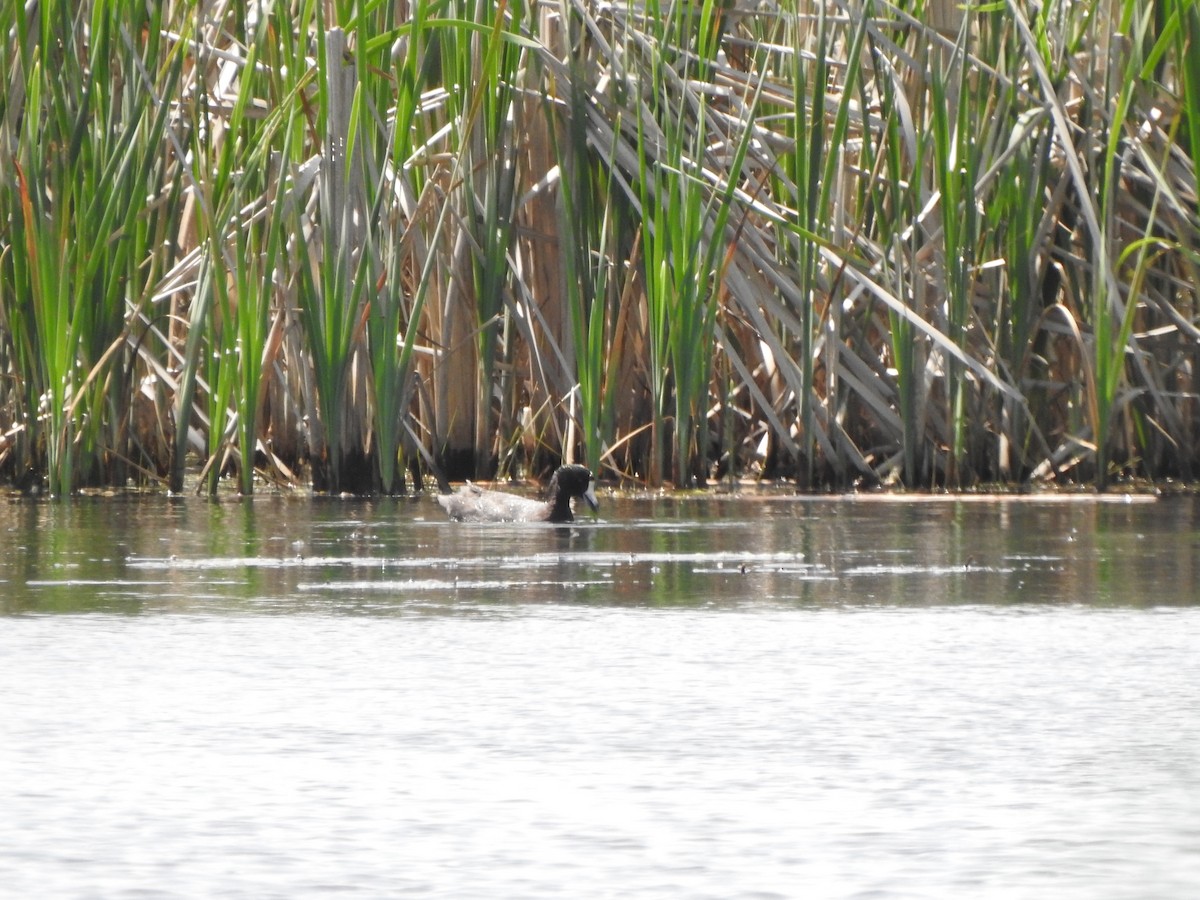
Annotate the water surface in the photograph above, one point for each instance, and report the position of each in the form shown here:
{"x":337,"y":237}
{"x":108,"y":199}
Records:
{"x":721,"y":698}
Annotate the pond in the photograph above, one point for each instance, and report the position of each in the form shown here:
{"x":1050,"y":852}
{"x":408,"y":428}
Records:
{"x":681,"y":697}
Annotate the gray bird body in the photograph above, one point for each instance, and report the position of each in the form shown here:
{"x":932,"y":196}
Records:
{"x":472,"y":503}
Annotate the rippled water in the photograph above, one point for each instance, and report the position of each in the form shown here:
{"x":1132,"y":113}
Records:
{"x":683,"y":698}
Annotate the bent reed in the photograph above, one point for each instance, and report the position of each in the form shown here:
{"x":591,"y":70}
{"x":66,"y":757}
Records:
{"x":847,"y":243}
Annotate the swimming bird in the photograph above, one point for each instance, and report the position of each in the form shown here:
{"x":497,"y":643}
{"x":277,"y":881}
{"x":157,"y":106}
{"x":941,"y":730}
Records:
{"x":472,"y":503}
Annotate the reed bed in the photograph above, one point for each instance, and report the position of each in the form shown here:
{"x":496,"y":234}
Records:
{"x":845,"y":243}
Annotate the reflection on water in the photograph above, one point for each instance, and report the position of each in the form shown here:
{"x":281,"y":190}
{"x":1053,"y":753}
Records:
{"x":153,"y":553}
{"x":822,"y":698}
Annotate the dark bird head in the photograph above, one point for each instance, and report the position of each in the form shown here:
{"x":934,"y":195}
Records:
{"x":569,"y":482}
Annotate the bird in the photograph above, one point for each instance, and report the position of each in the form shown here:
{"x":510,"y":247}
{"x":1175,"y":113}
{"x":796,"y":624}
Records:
{"x":471,"y":503}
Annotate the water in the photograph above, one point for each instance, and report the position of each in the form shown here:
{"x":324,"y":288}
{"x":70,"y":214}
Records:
{"x":834,"y":698}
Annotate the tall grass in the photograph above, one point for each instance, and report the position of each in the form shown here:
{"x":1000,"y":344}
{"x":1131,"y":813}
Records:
{"x":83,"y":146}
{"x":843,"y":242}
{"x":594,"y":283}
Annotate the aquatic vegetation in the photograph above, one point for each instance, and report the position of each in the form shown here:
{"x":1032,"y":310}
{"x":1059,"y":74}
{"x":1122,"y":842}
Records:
{"x":844,"y":243}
